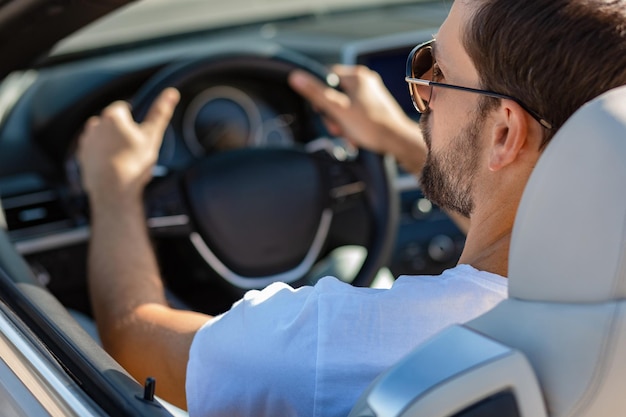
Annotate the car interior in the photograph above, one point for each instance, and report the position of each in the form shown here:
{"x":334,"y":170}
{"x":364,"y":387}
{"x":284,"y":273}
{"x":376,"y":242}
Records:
{"x":235,"y":98}
{"x":329,"y":209}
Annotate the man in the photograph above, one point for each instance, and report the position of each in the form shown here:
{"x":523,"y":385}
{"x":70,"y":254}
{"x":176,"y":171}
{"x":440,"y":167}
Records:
{"x":312,"y":351}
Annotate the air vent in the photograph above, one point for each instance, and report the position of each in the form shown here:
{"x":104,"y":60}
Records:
{"x":34,"y":213}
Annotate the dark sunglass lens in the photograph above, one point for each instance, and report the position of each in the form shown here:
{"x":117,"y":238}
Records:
{"x":422,"y":68}
{"x":416,"y":91}
{"x":423,"y":63}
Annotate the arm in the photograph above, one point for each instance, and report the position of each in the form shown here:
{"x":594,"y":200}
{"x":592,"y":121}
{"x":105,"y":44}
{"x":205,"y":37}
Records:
{"x":136,"y":325}
{"x":367,"y":115}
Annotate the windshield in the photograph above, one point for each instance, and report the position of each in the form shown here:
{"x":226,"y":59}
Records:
{"x":136,"y":21}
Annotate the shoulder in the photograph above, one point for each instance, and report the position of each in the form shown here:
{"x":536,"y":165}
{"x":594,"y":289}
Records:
{"x":271,"y":333}
{"x":279,"y":304}
{"x":461,"y":278}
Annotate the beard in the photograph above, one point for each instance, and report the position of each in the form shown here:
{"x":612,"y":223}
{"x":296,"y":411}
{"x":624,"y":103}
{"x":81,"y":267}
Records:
{"x":448,"y":175}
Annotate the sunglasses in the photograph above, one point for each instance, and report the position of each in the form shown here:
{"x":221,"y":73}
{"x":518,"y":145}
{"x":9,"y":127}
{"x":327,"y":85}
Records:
{"x":421,"y":72}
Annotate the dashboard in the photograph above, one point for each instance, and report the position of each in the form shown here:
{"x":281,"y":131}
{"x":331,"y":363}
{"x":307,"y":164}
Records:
{"x":45,"y":207}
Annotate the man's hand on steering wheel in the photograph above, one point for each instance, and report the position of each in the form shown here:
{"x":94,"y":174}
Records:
{"x":117,"y":154}
{"x":365,"y":113}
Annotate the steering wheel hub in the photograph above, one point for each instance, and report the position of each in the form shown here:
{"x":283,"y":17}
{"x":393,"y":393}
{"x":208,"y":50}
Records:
{"x":275,"y":233}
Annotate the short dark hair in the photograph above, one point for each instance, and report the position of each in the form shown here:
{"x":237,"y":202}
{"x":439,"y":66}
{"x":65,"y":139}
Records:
{"x":553,"y":55}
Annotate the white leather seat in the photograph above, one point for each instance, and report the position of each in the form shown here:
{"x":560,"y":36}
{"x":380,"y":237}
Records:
{"x":566,"y":311}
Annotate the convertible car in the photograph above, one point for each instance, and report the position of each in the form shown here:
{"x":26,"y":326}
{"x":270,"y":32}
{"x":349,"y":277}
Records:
{"x":250,"y":188}
{"x":286,"y":200}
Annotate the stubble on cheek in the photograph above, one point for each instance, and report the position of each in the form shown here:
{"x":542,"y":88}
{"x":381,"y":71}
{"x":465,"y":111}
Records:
{"x":426,"y":131}
{"x":448,"y":175}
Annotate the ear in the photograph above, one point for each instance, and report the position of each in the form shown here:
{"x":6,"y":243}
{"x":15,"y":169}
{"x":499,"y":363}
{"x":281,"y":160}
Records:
{"x":509,"y":134}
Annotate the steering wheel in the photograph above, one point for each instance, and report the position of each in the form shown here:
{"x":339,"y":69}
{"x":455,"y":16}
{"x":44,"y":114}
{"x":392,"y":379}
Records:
{"x":296,"y":193}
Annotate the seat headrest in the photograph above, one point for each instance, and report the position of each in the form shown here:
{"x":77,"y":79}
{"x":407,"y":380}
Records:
{"x":569,"y":238}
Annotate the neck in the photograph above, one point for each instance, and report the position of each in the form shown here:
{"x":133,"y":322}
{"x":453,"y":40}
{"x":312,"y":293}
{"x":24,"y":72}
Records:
{"x":487,"y":244}
{"x":497,"y":196}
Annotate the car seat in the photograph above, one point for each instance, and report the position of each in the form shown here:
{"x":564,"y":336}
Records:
{"x":557,"y":345}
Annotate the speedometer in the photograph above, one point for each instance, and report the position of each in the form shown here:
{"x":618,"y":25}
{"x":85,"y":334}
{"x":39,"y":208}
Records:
{"x":226,"y":117}
{"x":221,"y":118}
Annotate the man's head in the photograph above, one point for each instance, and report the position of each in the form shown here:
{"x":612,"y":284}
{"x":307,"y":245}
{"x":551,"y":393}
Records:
{"x":551,"y":55}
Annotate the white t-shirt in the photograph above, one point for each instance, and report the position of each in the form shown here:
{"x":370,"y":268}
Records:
{"x":312,"y":351}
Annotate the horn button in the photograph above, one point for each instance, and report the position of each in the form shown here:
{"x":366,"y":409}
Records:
{"x":258,"y":210}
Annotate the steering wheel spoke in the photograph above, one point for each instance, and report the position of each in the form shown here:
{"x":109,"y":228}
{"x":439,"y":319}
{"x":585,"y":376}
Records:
{"x":166,"y":212}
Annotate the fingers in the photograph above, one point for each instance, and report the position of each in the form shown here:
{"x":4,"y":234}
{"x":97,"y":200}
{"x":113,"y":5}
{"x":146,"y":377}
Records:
{"x":326,"y":99}
{"x":334,"y":128}
{"x":349,"y":75}
{"x":91,"y":123}
{"x":118,"y":110}
{"x":161,"y":111}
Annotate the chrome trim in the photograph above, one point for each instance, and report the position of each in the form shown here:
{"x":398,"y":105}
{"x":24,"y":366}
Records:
{"x":347,"y":190}
{"x":168,"y":221}
{"x":249,"y":283}
{"x":29,"y":199}
{"x":55,"y":241}
{"x":338,"y":148}
{"x":37,"y":374}
{"x":82,"y":234}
